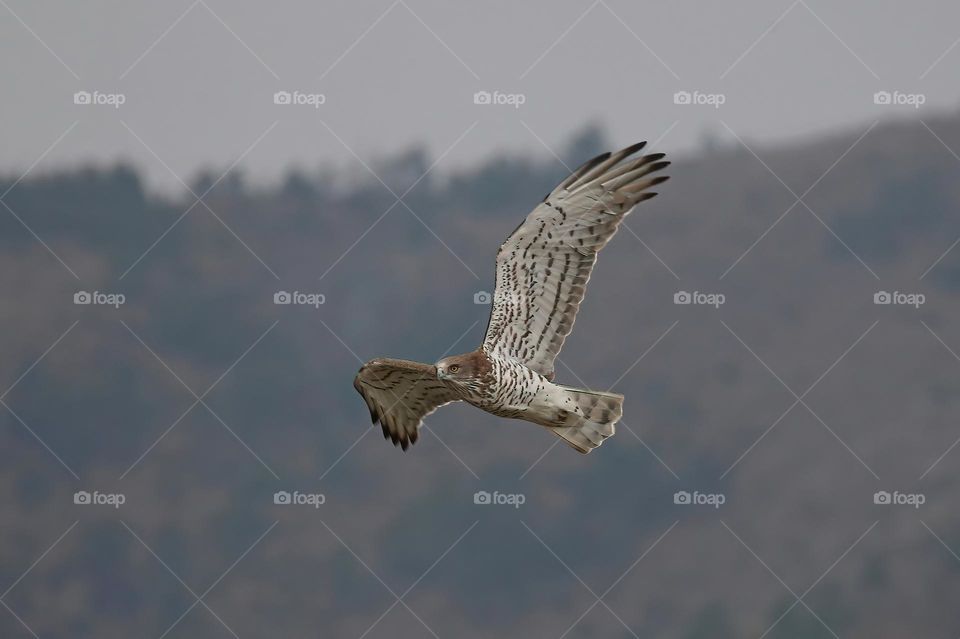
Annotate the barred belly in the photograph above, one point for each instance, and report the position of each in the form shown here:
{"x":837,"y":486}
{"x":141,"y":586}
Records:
{"x":514,"y":389}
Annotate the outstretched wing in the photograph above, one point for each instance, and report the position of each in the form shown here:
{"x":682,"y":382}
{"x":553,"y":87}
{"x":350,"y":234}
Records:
{"x":399,"y":395}
{"x":544,"y":266}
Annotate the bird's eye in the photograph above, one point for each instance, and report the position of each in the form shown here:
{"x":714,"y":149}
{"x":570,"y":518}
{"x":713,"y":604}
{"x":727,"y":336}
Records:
{"x":454,"y":368}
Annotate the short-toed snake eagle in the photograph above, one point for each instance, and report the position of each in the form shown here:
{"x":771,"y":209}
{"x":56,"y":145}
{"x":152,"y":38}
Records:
{"x":542,"y":272}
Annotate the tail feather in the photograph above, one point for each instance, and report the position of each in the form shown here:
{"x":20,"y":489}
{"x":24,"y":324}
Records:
{"x":592,"y":420}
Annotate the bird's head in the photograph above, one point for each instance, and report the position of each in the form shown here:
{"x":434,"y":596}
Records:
{"x":463,"y":368}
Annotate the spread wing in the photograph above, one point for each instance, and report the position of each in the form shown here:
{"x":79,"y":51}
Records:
{"x":544,"y":266}
{"x":399,"y":395}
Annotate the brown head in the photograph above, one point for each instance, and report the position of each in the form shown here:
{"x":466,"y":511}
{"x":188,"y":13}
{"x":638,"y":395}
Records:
{"x":465,"y":370}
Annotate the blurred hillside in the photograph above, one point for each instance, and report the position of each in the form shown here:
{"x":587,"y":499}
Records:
{"x":198,"y":398}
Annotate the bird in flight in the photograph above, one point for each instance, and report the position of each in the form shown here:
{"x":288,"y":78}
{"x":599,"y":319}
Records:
{"x":542,"y":273}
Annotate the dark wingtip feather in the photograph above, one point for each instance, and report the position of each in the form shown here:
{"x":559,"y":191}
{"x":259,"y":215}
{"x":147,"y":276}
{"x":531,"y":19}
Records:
{"x":581,"y":170}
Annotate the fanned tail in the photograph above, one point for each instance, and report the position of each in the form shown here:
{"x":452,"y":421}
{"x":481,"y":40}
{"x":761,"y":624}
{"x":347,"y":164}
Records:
{"x":592,"y":421}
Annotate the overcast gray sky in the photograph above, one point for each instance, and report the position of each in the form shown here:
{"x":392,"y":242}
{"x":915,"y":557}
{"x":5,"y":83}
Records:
{"x":198,"y":78}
